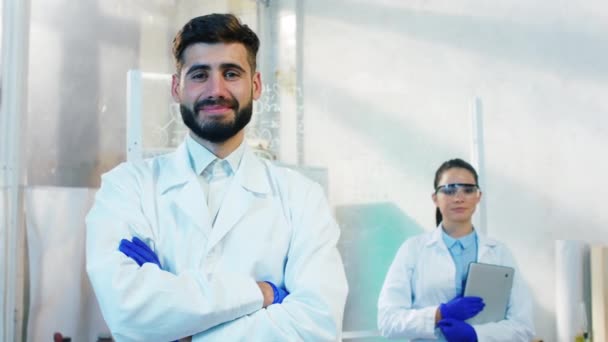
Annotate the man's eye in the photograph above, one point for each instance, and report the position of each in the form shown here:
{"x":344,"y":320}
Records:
{"x":199,"y":76}
{"x":231,"y":74}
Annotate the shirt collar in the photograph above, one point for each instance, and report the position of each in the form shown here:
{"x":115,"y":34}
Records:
{"x":466,"y":241}
{"x":234,"y":158}
{"x":201,"y":157}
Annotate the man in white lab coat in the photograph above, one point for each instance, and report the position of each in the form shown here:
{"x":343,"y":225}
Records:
{"x":231,"y":232}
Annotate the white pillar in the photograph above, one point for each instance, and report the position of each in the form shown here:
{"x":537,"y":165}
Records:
{"x":478,"y":161}
{"x":571,"y":270}
{"x":15,"y":34}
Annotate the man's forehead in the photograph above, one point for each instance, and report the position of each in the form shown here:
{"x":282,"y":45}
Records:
{"x":215,"y":54}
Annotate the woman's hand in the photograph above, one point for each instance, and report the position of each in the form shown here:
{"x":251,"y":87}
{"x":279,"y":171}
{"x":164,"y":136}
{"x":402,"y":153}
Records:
{"x":460,"y":308}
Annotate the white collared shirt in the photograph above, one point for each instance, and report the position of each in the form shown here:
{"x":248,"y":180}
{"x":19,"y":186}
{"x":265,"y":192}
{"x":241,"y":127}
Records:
{"x":214,"y":174}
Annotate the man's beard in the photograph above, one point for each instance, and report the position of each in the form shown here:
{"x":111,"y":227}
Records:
{"x":213,"y":130}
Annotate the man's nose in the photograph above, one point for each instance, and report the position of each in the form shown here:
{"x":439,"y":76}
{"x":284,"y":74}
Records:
{"x":216,"y":87}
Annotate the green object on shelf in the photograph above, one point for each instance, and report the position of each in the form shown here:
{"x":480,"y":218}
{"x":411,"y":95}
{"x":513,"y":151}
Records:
{"x":371,"y":235}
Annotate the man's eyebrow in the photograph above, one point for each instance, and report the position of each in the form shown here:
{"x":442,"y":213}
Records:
{"x":225,"y":66}
{"x":197,"y":67}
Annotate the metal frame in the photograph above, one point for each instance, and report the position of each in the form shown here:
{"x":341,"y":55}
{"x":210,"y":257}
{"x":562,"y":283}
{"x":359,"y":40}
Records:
{"x":135,"y":149}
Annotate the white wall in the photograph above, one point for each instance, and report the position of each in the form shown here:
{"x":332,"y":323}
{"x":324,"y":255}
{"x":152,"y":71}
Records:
{"x":388,"y":90}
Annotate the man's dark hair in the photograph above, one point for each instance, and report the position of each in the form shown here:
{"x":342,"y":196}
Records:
{"x":215,"y":28}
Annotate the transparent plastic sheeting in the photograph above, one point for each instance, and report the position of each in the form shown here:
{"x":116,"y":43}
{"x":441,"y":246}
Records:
{"x":571,"y":259}
{"x":61,"y":298}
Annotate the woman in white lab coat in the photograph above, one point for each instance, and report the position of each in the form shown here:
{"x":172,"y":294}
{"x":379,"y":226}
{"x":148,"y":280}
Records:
{"x":421,"y":298}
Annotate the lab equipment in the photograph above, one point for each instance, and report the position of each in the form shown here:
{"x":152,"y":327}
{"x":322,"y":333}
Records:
{"x":452,"y":189}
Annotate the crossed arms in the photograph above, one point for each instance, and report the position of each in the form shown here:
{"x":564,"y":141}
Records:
{"x":147,"y":303}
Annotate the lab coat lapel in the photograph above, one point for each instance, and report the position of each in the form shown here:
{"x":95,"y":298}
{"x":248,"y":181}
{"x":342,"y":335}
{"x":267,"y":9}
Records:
{"x":485,"y":248}
{"x":436,"y":241}
{"x":250,"y":184}
{"x":439,"y":258}
{"x":180,"y":184}
{"x":191,"y":200}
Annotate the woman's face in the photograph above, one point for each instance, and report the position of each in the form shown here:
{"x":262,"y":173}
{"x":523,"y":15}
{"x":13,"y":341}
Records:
{"x":458,"y":205}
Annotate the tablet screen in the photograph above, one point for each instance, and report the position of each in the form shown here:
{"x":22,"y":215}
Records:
{"x":493,"y":284}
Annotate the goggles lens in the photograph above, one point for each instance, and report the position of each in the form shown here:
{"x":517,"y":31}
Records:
{"x":452,"y":189}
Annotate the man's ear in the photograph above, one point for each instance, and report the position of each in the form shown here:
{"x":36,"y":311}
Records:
{"x":175,"y":88}
{"x":257,"y":85}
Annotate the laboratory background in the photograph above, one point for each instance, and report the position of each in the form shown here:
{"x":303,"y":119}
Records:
{"x":367,"y":97}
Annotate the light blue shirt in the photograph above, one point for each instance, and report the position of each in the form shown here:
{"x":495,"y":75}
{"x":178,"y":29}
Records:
{"x":463,"y":251}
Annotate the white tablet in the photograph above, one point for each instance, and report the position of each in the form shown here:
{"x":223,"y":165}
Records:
{"x":493,"y":283}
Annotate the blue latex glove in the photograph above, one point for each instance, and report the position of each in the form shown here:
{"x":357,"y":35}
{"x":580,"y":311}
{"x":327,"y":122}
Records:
{"x":461,"y":308}
{"x":457,"y":331}
{"x":279,"y":293}
{"x":138,"y":251}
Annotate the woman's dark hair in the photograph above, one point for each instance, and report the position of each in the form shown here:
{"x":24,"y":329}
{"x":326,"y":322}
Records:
{"x":451,"y":164}
{"x":215,"y":28}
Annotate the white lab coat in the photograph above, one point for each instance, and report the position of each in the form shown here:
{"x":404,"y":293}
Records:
{"x":422,"y":276}
{"x":274,"y":225}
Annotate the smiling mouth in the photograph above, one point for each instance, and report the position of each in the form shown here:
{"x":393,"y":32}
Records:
{"x":215,"y":109}
{"x":215,"y":105}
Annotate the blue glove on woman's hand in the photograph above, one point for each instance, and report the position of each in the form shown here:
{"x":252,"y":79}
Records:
{"x":279,"y":293}
{"x":138,"y":251}
{"x":461,"y":308}
{"x":457,"y":331}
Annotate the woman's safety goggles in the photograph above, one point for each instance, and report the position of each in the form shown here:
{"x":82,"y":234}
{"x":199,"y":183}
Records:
{"x":452,"y":189}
